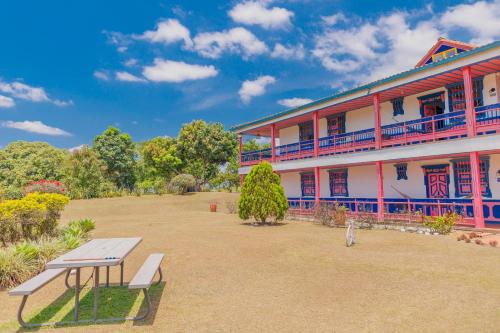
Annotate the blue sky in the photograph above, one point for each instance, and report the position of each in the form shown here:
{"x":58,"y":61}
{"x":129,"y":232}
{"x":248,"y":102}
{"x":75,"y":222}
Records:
{"x":68,"y":69}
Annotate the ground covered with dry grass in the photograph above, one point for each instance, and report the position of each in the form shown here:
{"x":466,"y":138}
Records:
{"x":226,"y":276}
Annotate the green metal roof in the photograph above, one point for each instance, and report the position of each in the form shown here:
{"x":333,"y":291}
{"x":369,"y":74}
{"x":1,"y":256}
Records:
{"x":370,"y":85}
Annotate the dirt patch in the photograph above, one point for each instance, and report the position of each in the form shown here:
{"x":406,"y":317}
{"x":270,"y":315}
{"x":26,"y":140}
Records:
{"x":224,"y":276}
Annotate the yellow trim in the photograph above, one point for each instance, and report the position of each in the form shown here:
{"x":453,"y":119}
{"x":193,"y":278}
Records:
{"x":445,"y":54}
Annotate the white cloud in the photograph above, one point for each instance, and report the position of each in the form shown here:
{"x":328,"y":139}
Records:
{"x":396,"y":41}
{"x":35,"y":127}
{"x":406,"y":44}
{"x":102,"y":75}
{"x":288,"y":52}
{"x":168,"y":32}
{"x":237,"y":40}
{"x":294,"y":102}
{"x":127,"y":77}
{"x":257,"y":13}
{"x":34,"y":94}
{"x":131,"y":62}
{"x":334,"y":19}
{"x":345,"y":50}
{"x":177,"y":71}
{"x":62,"y":103}
{"x":250,"y":89}
{"x":482,"y":19}
{"x":6,"y":102}
{"x":80,"y":147}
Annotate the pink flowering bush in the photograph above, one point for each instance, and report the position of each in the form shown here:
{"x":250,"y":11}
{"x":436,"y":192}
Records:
{"x":45,"y":186}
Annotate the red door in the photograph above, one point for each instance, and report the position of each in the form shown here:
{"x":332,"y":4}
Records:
{"x":437,"y":187}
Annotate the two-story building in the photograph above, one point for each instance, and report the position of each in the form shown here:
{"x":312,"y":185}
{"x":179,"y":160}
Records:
{"x":425,"y":140}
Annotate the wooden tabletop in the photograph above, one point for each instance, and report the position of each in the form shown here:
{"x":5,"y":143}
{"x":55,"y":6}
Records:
{"x":92,"y":253}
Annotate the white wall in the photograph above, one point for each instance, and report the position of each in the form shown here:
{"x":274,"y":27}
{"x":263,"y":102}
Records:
{"x":289,"y":135}
{"x":491,"y":81}
{"x":494,"y":168}
{"x":291,"y":184}
{"x":360,"y":119}
{"x":362,"y":180}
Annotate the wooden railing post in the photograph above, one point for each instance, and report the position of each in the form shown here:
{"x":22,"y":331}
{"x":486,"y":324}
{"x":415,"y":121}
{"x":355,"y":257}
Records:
{"x":316,"y":133}
{"x":470,"y":116}
{"x":317,"y":186}
{"x":273,"y":143}
{"x":433,"y":120}
{"x":377,"y":121}
{"x":477,"y":195}
{"x":380,"y":195}
{"x":240,"y":137}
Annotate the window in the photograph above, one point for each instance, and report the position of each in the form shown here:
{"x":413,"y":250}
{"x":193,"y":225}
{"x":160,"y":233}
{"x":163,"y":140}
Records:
{"x":338,"y":183}
{"x":463,"y":178}
{"x":456,"y":94}
{"x":306,"y":131}
{"x":397,"y":106}
{"x":401,"y":170}
{"x":336,"y":124}
{"x":307,"y":184}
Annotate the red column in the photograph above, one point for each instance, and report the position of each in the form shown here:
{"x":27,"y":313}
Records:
{"x":470,"y":115}
{"x":380,"y":196}
{"x":317,"y":185}
{"x":377,"y":121}
{"x":273,"y":143}
{"x":475,"y":171}
{"x":316,"y":133}
{"x":240,"y":137}
{"x":242,"y":178}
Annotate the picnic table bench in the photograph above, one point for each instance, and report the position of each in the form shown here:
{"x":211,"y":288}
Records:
{"x":96,"y":253}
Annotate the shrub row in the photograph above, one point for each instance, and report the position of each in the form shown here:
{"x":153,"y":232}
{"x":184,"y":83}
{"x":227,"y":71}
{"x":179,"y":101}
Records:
{"x":21,"y":261}
{"x":30,"y":217}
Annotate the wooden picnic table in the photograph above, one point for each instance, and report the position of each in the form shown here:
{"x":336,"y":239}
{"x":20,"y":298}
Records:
{"x":101,"y":252}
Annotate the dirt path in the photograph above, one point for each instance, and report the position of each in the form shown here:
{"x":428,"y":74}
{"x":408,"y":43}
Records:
{"x":223,"y":276}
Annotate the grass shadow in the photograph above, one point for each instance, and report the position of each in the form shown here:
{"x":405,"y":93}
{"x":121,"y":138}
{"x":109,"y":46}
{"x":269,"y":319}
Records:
{"x":155,"y":293}
{"x":114,"y":302}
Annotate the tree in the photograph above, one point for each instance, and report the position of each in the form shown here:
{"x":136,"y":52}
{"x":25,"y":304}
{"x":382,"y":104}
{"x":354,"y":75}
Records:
{"x":252,"y":145}
{"x":228,"y":178}
{"x":117,"y":151}
{"x":262,"y":196}
{"x":204,"y":148}
{"x":84,"y":174}
{"x":22,"y":162}
{"x":160,"y":158}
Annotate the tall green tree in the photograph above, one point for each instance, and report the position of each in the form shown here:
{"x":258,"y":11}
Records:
{"x":84,"y":174}
{"x":252,"y":144}
{"x":204,"y":148}
{"x":160,"y":157}
{"x":117,"y":151}
{"x":262,"y":196}
{"x":22,"y":162}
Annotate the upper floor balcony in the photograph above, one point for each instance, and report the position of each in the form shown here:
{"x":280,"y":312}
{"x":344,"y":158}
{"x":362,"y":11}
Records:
{"x":440,"y":127}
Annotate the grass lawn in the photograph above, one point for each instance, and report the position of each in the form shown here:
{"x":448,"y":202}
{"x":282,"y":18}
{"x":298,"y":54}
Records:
{"x":225,"y":276}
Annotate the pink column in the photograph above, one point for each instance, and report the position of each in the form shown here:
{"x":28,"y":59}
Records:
{"x":380,"y":197}
{"x":470,"y":115}
{"x":317,"y":185}
{"x":240,"y":137}
{"x":242,"y":178}
{"x":273,"y":143}
{"x":316,"y":133}
{"x":475,"y":171}
{"x":377,"y":121}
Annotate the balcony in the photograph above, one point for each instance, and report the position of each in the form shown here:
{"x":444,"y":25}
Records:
{"x":446,"y":126}
{"x":406,"y":210}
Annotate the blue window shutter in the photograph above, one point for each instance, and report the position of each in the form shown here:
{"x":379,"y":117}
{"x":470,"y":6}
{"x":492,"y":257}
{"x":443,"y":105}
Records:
{"x":397,"y":106}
